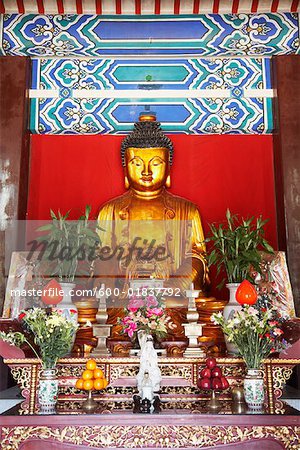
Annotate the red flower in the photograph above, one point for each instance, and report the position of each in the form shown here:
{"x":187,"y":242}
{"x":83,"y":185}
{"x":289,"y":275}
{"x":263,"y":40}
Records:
{"x":21,"y":316}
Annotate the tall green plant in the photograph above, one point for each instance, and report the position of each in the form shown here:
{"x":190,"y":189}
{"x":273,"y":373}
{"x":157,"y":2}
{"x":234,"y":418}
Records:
{"x":236,"y":247}
{"x":68,"y":243}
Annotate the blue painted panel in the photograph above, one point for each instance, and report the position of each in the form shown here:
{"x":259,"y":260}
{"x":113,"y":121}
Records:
{"x":204,"y":35}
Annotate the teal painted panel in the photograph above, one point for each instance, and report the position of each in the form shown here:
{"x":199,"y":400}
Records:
{"x":151,"y":73}
{"x":69,"y":115}
{"x":191,"y":116}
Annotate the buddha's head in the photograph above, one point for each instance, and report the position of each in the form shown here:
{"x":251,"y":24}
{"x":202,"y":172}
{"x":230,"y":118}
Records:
{"x":147,"y":156}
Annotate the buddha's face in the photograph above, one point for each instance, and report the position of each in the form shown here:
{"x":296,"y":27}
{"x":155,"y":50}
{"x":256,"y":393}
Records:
{"x":147,"y":169}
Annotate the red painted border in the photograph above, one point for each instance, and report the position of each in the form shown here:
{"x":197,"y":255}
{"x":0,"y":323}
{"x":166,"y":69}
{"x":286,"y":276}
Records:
{"x":118,"y":7}
{"x":254,"y":6}
{"x":176,"y":6}
{"x":157,"y":7}
{"x":20,"y":5}
{"x":98,"y":6}
{"x":60,"y":6}
{"x":40,"y":5}
{"x":295,"y":5}
{"x":216,"y":6}
{"x":274,"y":6}
{"x":235,"y":6}
{"x":79,"y":9}
{"x":196,"y":6}
{"x":138,"y":7}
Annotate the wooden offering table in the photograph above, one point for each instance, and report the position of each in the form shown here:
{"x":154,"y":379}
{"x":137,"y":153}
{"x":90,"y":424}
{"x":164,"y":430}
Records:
{"x":185,"y":429}
{"x":184,"y":421}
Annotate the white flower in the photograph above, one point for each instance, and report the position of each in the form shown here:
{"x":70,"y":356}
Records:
{"x":216,"y":318}
{"x":252,"y":311}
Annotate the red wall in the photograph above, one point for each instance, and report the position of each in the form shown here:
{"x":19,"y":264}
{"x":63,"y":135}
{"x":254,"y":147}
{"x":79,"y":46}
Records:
{"x":215,"y":172}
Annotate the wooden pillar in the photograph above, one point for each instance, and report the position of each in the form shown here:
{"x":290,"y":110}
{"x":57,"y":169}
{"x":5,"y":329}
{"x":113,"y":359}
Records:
{"x":287,"y":163}
{"x":14,"y":154}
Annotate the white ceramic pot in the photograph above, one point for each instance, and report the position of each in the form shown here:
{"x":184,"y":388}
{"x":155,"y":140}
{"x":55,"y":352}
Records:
{"x":254,"y":389}
{"x":47,"y":393}
{"x":231,"y":307}
{"x":67,"y":307}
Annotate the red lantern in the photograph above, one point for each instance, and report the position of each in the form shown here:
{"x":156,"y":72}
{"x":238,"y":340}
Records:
{"x":246,"y":293}
{"x":52,"y":293}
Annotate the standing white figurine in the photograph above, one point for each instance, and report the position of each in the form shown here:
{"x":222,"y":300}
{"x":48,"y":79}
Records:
{"x":148,"y":363}
{"x":147,"y":388}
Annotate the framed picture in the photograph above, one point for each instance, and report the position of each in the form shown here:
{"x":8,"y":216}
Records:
{"x":23,"y":283}
{"x":274,"y":283}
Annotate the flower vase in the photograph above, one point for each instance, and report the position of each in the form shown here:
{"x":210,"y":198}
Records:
{"x":47,"y":392}
{"x":67,"y":307}
{"x":231,"y":307}
{"x":254,"y":388}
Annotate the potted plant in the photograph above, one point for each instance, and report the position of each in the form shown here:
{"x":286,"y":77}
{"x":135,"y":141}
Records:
{"x":236,"y":247}
{"x":257,"y":333}
{"x":69,"y":248}
{"x":53,"y":335}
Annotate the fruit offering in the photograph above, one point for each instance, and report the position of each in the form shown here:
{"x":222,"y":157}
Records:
{"x":211,"y":377}
{"x":92,"y":378}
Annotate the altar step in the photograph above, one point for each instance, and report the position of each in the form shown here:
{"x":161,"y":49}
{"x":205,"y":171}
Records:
{"x":291,"y":396}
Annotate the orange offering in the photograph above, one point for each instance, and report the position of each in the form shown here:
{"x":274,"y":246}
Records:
{"x":91,"y":364}
{"x":79,"y":383}
{"x":88,"y":375}
{"x":105,"y":383}
{"x":98,"y":373}
{"x":99,"y":384}
{"x":88,"y":385}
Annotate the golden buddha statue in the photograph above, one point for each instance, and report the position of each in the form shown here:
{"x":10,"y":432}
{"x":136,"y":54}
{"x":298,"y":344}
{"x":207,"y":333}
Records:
{"x":148,"y":213}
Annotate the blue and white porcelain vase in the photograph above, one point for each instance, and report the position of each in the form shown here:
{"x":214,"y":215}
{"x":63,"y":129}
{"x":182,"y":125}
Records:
{"x":254,"y":388}
{"x":47,"y":393}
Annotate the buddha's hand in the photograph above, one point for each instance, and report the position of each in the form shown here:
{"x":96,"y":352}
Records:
{"x":192,"y":270}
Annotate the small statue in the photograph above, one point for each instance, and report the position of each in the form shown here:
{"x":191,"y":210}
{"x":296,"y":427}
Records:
{"x":147,"y":388}
{"x":149,"y":365}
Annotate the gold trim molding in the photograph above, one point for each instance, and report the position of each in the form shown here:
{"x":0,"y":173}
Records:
{"x":149,"y":436}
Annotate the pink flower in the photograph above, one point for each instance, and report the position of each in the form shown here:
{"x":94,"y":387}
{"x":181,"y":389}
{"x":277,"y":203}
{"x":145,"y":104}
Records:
{"x":135,"y":304}
{"x":131,"y":329}
{"x":126,"y":320}
{"x":151,"y":301}
{"x":155,"y":312}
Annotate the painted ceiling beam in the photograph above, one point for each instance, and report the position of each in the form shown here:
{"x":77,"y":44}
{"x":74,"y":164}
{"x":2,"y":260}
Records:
{"x":140,"y":7}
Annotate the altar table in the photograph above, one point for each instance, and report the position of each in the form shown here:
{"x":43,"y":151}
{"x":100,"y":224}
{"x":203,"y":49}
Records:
{"x":179,"y":380}
{"x":185,"y":429}
{"x":184,"y":421}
